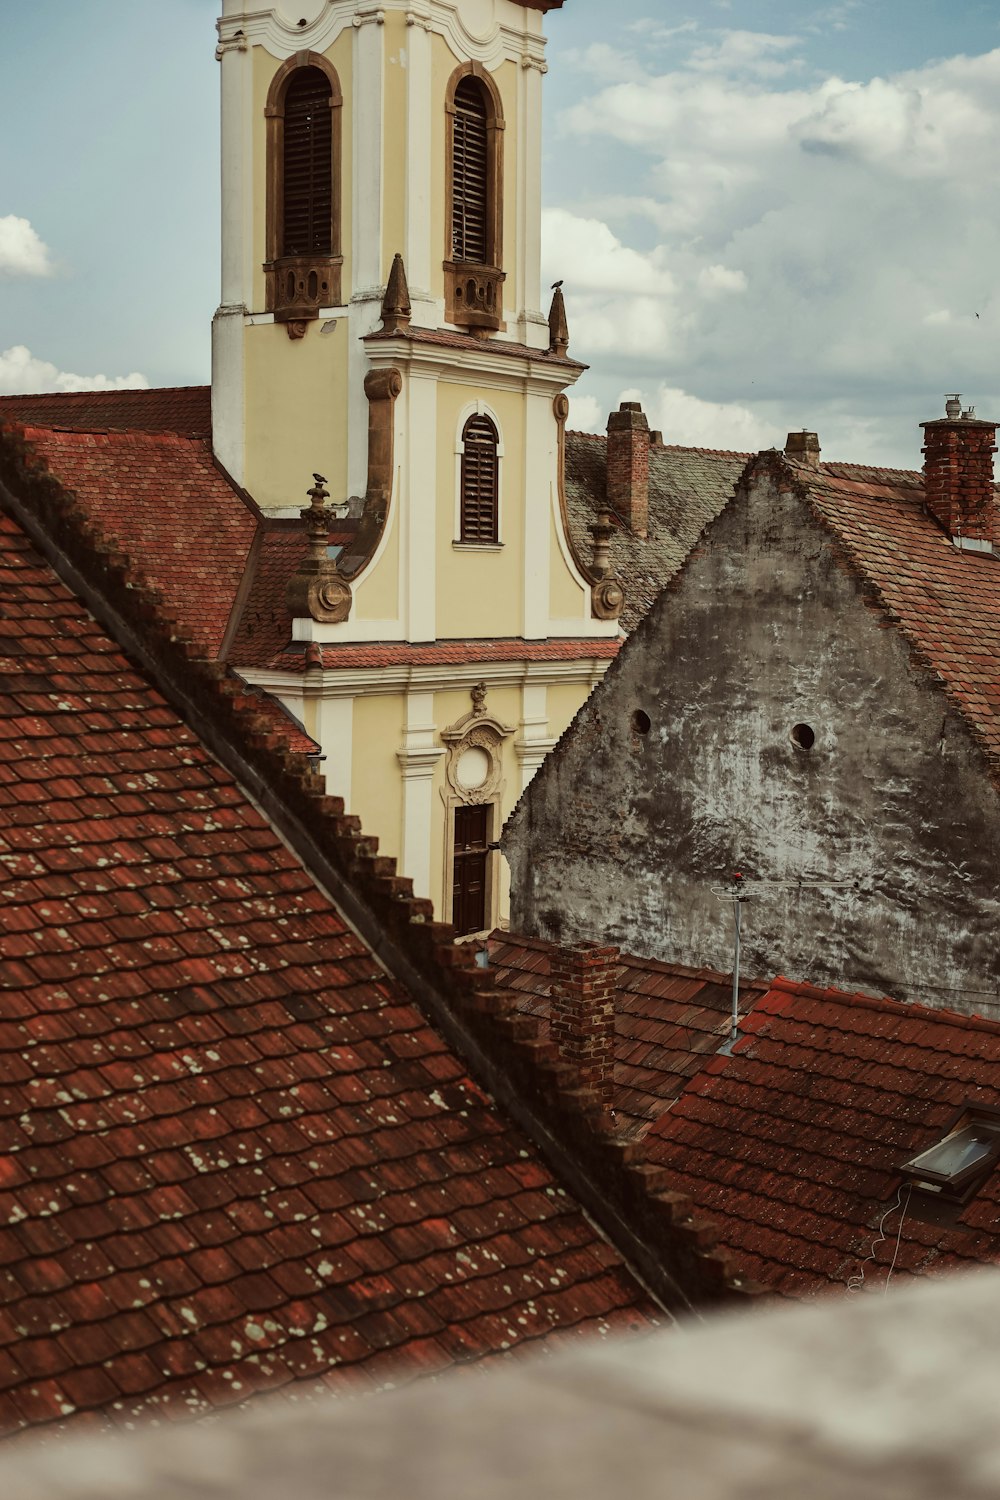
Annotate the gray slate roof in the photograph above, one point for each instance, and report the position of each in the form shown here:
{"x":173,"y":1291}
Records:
{"x":687,"y":489}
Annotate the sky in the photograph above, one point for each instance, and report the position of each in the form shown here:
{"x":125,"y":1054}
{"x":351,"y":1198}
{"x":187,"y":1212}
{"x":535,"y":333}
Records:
{"x":767,"y":215}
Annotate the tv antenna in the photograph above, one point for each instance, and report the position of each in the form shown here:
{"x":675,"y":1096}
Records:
{"x":736,"y":892}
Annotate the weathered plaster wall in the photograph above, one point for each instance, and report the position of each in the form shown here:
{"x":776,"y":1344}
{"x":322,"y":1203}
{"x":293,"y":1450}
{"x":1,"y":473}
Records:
{"x":622,"y":835}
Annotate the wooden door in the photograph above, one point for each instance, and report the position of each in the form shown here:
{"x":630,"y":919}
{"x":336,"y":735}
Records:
{"x":469,"y":891}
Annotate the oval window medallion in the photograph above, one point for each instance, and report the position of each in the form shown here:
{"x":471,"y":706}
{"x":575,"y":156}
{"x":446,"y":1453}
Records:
{"x":473,"y":767}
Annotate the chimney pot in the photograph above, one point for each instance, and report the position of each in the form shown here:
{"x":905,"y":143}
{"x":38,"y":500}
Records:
{"x":803,"y":447}
{"x":958,"y":476}
{"x":628,"y":466}
{"x":582,"y":1014}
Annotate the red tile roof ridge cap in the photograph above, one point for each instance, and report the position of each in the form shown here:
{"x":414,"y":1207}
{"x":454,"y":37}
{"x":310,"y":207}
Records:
{"x":857,"y":998}
{"x":635,"y":961}
{"x":397,"y":928}
{"x":134,"y":434}
{"x":845,"y":463}
{"x":602,"y":437}
{"x":130,"y":390}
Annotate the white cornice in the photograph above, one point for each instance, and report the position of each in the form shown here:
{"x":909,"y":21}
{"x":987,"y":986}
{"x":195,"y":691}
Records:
{"x":504,"y":42}
{"x":349,"y":682}
{"x":443,"y":362}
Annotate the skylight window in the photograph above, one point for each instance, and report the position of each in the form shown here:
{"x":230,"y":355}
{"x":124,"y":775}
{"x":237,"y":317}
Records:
{"x":957,"y":1165}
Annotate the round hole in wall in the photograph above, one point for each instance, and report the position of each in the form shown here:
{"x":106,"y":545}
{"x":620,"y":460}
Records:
{"x":803,"y":736}
{"x":641,"y":722}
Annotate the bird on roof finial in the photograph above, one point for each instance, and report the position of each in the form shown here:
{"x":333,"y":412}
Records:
{"x":556,"y":285}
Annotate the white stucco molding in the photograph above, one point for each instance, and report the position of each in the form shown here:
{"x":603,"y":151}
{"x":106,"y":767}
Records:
{"x":352,"y":682}
{"x":508,"y":40}
{"x":482,"y":366}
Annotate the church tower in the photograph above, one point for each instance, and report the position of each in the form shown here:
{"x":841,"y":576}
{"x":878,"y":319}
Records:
{"x":381,"y":327}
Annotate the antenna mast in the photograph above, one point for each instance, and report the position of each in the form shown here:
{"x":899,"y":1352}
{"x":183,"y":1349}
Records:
{"x":737,"y":892}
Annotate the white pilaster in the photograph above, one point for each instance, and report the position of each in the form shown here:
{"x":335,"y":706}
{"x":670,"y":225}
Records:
{"x":418,"y":757}
{"x":365,"y":293}
{"x":335,"y":732}
{"x":534,"y":742}
{"x":237,"y":237}
{"x":538,"y":478}
{"x":368,"y":87}
{"x":418,"y":506}
{"x":532,"y":325}
{"x":420,"y":237}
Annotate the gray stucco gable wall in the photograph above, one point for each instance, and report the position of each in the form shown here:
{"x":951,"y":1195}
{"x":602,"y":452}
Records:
{"x":622,"y":835}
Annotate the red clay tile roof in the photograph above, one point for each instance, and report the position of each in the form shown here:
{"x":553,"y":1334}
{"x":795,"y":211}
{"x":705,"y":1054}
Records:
{"x":668,"y":1018}
{"x":945,"y":601}
{"x":233,"y":1153}
{"x":162,"y":498}
{"x":185,"y":410}
{"x":404,"y":653}
{"x":793,"y":1145}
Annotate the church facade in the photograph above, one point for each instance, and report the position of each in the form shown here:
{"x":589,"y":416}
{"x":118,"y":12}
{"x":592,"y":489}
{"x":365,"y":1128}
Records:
{"x":380,"y":343}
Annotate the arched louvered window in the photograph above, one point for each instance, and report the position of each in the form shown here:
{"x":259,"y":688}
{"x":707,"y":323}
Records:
{"x":303,"y":262}
{"x":473,"y":278}
{"x":307,"y":180}
{"x":479,"y":481}
{"x":470,"y":171}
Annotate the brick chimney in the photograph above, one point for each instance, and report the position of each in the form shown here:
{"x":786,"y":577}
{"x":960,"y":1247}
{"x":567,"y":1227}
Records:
{"x":958,"y":476}
{"x":582,"y":1017}
{"x":803,"y":447}
{"x":628,"y":466}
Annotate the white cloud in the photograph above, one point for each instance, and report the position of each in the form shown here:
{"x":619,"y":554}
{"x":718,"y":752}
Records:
{"x":695,"y":423}
{"x":743,"y":52}
{"x":822,"y":253}
{"x":586,"y":414}
{"x":716,"y":280}
{"x":22,"y":374}
{"x":22,"y":251}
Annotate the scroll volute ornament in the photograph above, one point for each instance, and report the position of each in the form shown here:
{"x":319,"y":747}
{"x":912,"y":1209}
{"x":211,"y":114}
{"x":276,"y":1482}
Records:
{"x":381,"y":387}
{"x":317,"y":590}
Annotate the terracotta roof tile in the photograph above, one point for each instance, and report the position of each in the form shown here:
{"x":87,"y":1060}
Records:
{"x":161,"y":498}
{"x":436,"y":653}
{"x":793,"y":1144}
{"x":666,"y":1018}
{"x":947,"y":602}
{"x":185,"y":410}
{"x":234,"y":1153}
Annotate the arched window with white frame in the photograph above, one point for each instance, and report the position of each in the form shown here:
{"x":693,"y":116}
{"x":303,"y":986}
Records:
{"x":479,"y":481}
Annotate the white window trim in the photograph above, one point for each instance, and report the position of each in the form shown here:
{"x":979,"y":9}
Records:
{"x":477,"y":409}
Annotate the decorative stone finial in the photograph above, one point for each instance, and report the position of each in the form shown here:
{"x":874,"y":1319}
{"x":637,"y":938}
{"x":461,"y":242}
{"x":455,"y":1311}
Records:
{"x":316,"y":589}
{"x":606,"y":595}
{"x":396,"y":302}
{"x":558,"y":327}
{"x":478,"y":695}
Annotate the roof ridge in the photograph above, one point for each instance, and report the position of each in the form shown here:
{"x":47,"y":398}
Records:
{"x":123,"y":390}
{"x":914,"y":1009}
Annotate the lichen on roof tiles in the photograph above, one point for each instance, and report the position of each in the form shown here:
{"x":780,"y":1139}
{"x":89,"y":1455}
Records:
{"x":235,"y":1154}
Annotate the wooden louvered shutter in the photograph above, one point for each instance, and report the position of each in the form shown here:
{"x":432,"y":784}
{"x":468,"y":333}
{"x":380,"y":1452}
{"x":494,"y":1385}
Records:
{"x":479,"y":481}
{"x":308,"y":164}
{"x":470,"y":175}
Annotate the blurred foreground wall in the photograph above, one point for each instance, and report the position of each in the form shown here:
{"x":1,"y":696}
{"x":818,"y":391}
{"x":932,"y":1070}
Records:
{"x":857,"y":1397}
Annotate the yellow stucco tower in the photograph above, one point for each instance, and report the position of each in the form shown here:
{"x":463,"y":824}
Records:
{"x":381,"y":324}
